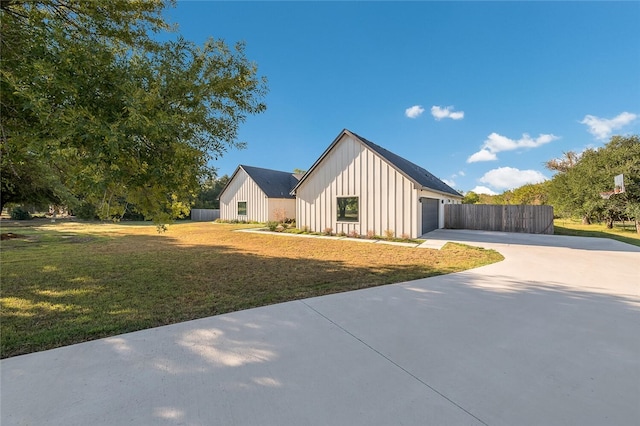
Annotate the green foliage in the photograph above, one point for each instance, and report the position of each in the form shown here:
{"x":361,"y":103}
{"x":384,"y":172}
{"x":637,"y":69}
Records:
{"x":95,"y":110}
{"x":470,"y":198}
{"x":272,"y":225}
{"x":19,"y":213}
{"x":236,"y":221}
{"x":633,"y":212}
{"x":210,"y":190}
{"x":576,"y":191}
{"x":530,"y":194}
{"x":85,"y":211}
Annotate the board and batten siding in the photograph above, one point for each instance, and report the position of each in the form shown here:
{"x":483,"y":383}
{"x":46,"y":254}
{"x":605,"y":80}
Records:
{"x":259,"y":207}
{"x":387,"y":199}
{"x":243,"y":188}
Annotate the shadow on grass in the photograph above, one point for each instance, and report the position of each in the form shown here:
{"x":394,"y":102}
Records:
{"x":527,"y":343}
{"x":61,"y":288}
{"x":562,"y":230}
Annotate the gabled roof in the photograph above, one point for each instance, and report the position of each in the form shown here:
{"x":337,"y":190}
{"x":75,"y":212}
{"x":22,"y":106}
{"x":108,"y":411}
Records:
{"x":411,"y":170}
{"x":274,"y":183}
{"x":421,"y":177}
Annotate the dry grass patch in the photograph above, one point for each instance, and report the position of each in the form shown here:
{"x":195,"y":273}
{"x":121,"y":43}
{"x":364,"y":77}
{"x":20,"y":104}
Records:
{"x":65,"y":283}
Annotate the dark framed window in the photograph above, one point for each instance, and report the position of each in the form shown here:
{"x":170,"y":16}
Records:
{"x":242,"y":208}
{"x":348,"y":209}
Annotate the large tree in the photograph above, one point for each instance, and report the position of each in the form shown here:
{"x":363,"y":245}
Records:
{"x":575,"y":190}
{"x":96,"y":110}
{"x":210,"y":190}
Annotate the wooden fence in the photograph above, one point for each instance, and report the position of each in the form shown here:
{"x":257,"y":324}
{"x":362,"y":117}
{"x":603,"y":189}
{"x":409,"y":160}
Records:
{"x":205,"y":215}
{"x":526,"y":219}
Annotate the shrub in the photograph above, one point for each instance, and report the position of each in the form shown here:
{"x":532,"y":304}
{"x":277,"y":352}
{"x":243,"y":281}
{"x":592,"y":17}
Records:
{"x":133,"y":215}
{"x":354,"y":233}
{"x":86,"y":211}
{"x":389,"y":234}
{"x":272,"y":225}
{"x":405,"y":237}
{"x":305,"y":229}
{"x":236,"y":221}
{"x":327,"y":231}
{"x":18,"y":213}
{"x":342,"y":234}
{"x":371,"y":234}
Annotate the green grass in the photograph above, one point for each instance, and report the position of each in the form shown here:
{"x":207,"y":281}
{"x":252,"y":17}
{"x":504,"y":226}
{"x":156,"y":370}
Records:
{"x":69,"y":282}
{"x":625,"y":232}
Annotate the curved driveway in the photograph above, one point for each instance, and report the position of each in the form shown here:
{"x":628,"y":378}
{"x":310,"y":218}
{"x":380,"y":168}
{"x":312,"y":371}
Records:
{"x":550,"y":336}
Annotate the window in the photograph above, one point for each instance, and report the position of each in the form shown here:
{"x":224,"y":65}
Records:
{"x":347,"y":209}
{"x":242,"y":208}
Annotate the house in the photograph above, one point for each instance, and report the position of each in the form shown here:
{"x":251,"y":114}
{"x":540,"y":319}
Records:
{"x":359,"y":187}
{"x":254,"y":194}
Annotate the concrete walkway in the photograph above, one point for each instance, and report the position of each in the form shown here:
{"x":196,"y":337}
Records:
{"x":550,"y":336}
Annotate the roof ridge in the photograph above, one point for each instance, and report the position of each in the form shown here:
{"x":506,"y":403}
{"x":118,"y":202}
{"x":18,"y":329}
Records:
{"x":274,"y":183}
{"x":411,"y":169}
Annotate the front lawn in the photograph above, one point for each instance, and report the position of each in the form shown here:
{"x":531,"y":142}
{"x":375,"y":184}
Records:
{"x":69,"y":282}
{"x":621,"y":231}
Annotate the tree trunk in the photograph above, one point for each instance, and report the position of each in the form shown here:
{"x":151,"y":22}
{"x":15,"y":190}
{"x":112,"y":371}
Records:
{"x":609,"y":223}
{"x":586,"y":220}
{"x":638,"y":226}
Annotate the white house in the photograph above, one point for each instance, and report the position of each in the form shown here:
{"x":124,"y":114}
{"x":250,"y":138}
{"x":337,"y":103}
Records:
{"x":358,"y":186}
{"x":255,"y":194}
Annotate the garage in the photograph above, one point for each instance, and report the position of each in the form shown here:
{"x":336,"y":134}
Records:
{"x":430,"y":207}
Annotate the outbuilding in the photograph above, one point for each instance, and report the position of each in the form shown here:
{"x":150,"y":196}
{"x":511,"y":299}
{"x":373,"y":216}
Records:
{"x":254,"y":194}
{"x":358,"y":187}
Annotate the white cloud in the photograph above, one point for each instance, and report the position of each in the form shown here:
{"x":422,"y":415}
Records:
{"x":440,"y":113}
{"x":414,"y":112}
{"x":461,"y":173}
{"x":509,"y":177}
{"x":483,"y":190}
{"x":497,"y":143}
{"x":449,"y":182}
{"x":602,"y":128}
{"x":482,"y":155}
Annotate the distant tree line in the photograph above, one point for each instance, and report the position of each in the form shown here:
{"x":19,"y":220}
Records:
{"x":580,"y":178}
{"x":210,"y":190}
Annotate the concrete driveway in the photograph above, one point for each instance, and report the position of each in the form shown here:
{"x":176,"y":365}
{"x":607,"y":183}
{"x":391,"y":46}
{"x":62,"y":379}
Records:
{"x":550,"y":336}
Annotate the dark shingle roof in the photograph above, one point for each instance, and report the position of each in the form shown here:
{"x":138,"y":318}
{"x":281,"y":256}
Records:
{"x":415,"y":172}
{"x":412,"y":171}
{"x":274,"y":183}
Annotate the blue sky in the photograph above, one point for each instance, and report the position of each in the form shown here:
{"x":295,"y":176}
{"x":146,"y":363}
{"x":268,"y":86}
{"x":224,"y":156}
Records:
{"x":481,"y":94}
